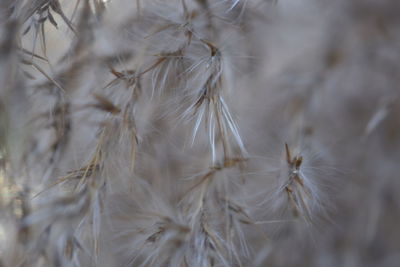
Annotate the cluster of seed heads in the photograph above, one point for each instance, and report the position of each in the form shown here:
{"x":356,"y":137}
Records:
{"x":123,"y":140}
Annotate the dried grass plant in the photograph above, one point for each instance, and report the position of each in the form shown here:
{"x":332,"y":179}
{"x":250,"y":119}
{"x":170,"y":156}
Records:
{"x":199,"y":133}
